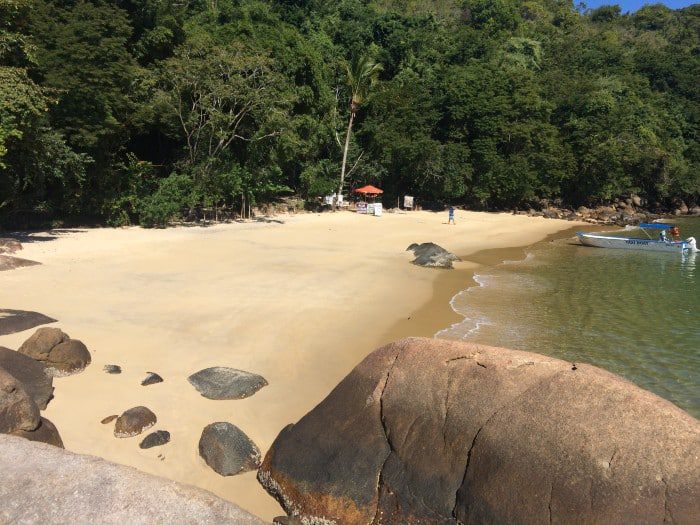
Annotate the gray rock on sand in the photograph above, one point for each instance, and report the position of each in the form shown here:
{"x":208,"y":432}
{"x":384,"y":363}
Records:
{"x":46,"y":432}
{"x":42,"y":484}
{"x":226,"y":383}
{"x":436,"y":431}
{"x":112,"y":369}
{"x":17,"y":409}
{"x":155,"y":439}
{"x":32,"y":374}
{"x":227,"y":450}
{"x":431,"y":255}
{"x":151,"y":379}
{"x":61,"y":354}
{"x":12,"y":321}
{"x":134,"y":421}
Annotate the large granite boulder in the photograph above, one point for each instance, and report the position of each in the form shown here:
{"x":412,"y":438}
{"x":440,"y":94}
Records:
{"x":61,"y":354}
{"x":134,"y":421}
{"x":32,"y":374}
{"x":220,"y":382}
{"x":431,"y":255}
{"x":436,"y":431}
{"x":17,"y":409}
{"x":12,"y":321}
{"x":8,"y":245}
{"x":46,"y":432}
{"x":227,"y":450}
{"x":43,"y":484}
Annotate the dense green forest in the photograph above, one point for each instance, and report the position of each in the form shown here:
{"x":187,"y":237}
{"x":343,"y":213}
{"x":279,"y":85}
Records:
{"x":135,"y":111}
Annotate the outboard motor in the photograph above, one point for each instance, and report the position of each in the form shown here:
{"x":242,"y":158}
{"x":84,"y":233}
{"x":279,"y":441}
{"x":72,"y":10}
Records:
{"x":692,"y":245}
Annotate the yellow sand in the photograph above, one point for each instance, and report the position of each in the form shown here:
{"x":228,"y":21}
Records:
{"x":300,"y":303}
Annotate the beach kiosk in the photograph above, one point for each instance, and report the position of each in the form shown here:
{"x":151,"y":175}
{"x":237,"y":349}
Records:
{"x":370,"y":192}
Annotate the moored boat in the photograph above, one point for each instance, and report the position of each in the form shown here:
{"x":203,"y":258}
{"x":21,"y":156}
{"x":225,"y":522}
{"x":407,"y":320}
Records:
{"x":663,"y":244}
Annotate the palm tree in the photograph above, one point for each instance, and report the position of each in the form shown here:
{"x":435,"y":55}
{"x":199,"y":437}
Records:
{"x":362,"y":75}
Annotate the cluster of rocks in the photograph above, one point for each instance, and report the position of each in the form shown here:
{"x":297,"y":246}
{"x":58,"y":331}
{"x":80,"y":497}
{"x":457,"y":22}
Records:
{"x":430,"y":255}
{"x":620,"y":212}
{"x":436,"y":431}
{"x":26,"y":376}
{"x":62,"y":355}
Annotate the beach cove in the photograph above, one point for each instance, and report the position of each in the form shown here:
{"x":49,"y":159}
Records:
{"x":299,"y":300}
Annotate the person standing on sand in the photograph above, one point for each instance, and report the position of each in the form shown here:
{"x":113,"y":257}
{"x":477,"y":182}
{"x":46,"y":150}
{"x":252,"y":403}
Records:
{"x":451,"y":216}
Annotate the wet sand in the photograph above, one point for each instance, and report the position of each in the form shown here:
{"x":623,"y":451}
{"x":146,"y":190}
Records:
{"x":299,"y":302}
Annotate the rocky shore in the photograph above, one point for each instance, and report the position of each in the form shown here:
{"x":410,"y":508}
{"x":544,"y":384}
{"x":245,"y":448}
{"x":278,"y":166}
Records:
{"x":620,"y":212}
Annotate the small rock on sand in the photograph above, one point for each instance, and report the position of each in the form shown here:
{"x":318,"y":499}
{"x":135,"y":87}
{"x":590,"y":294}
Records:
{"x":221,"y":382}
{"x":109,"y":419}
{"x":227,"y":450}
{"x":134,"y":421}
{"x":155,"y":439}
{"x":151,"y":379}
{"x":112,"y":369}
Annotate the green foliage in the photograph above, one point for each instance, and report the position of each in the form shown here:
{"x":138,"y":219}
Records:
{"x":143,"y":110}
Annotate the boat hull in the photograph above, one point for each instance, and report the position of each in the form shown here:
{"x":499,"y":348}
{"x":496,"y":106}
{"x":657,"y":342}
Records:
{"x":631,"y":243}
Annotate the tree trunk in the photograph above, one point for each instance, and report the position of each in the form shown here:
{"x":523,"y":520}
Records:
{"x":345,"y":158}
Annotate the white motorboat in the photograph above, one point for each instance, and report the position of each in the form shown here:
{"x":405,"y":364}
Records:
{"x":661,"y":244}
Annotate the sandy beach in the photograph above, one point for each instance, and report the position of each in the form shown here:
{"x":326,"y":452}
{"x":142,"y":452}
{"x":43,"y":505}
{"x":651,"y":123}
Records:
{"x":299,"y":300}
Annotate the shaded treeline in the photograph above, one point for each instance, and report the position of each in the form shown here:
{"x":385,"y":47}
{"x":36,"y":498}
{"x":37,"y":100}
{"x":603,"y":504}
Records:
{"x":138,"y":110}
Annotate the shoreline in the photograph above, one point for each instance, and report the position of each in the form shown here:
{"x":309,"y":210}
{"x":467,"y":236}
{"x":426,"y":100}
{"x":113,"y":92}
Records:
{"x":299,"y":303}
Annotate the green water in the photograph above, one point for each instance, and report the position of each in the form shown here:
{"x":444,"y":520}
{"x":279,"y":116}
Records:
{"x":634,"y":313}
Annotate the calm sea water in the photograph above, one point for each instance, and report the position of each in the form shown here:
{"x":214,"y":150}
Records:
{"x":634,"y":313}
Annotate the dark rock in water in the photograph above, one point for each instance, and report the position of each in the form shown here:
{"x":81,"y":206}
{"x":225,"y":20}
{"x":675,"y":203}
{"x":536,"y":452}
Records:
{"x":12,"y":263}
{"x":227,"y":450}
{"x":18,"y":412}
{"x":61,"y":354}
{"x":151,"y":379}
{"x":431,"y":255}
{"x":12,"y":321}
{"x":109,"y":419}
{"x":436,"y":431}
{"x":226,"y":383}
{"x":31,"y":373}
{"x":133,"y":422}
{"x":46,"y":432}
{"x":112,"y":369}
{"x":155,"y":439}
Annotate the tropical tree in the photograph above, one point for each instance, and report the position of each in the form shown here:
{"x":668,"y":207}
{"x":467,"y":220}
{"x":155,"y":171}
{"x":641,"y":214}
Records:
{"x":362,"y":75}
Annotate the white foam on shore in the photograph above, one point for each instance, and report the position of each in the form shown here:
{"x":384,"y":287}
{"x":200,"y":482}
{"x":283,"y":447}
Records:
{"x":461,"y":305}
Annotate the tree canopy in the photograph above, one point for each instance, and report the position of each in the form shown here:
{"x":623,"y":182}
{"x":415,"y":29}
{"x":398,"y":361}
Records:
{"x":137,"y":111}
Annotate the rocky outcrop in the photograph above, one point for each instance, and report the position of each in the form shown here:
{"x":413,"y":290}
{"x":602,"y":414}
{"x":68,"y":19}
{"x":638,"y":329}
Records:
{"x":9,"y":245}
{"x":134,"y":421}
{"x":17,"y":409}
{"x":431,"y":255}
{"x":435,"y":431}
{"x":220,"y":382}
{"x":12,"y":321}
{"x":31,"y":373}
{"x":61,"y":354}
{"x":42,"y":484}
{"x":227,"y":450}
